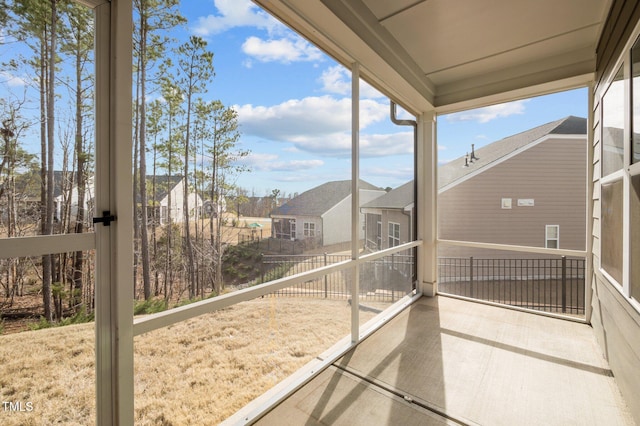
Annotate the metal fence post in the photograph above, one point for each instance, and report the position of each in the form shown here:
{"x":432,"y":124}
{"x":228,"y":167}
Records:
{"x":262,"y":267}
{"x":564,"y":284}
{"x":326,"y":286}
{"x":471,"y":275}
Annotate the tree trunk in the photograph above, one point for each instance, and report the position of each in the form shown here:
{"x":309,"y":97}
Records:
{"x":50,"y":147}
{"x":144,"y":236}
{"x":78,"y":262}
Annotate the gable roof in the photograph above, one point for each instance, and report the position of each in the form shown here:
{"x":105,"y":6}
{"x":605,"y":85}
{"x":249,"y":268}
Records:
{"x":28,"y":184}
{"x":397,"y":198}
{"x":488,"y":154}
{"x":164,"y":183}
{"x":450,"y":172}
{"x":320,"y":199}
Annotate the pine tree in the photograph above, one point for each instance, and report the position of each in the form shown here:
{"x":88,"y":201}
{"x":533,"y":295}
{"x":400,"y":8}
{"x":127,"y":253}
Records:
{"x":195,"y":66}
{"x":154,"y":16}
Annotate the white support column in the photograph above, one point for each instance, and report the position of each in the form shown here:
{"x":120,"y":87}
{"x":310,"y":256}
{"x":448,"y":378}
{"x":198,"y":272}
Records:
{"x":114,"y":249}
{"x":355,"y":201}
{"x":427,"y":203}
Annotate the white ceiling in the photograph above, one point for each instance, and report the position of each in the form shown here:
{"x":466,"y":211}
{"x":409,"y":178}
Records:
{"x":455,"y":53}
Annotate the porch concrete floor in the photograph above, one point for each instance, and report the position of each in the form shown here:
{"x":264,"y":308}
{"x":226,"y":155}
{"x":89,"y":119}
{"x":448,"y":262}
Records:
{"x":448,"y":361}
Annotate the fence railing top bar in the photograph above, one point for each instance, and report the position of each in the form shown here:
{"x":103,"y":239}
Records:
{"x":506,"y":259}
{"x":176,"y":315}
{"x":182,"y":313}
{"x":507,"y":247}
{"x":389,"y":251}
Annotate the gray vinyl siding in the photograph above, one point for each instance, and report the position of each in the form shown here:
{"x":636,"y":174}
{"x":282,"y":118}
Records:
{"x":386,"y":216}
{"x":615,"y":322}
{"x":395,"y":216}
{"x":552,"y":173}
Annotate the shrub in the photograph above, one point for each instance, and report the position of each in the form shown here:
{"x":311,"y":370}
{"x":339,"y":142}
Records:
{"x":80,"y":317}
{"x":152,"y":306}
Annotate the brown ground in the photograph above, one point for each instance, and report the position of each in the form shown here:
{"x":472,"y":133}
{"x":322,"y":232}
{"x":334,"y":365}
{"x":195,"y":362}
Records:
{"x":197,"y":372}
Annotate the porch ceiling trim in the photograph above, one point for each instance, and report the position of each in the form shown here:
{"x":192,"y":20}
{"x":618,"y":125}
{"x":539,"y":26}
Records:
{"x":372,"y":33}
{"x":384,"y":69}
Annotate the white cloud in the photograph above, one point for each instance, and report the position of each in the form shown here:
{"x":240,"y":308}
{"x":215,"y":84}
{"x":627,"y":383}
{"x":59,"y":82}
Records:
{"x":401,"y":174}
{"x":322,"y":125}
{"x":285,"y":50}
{"x":12,"y":80}
{"x":380,"y":145}
{"x":271,"y":163}
{"x":337,"y":80}
{"x":282,"y":45}
{"x":234,"y":13}
{"x":486,"y":114}
{"x":298,"y":119}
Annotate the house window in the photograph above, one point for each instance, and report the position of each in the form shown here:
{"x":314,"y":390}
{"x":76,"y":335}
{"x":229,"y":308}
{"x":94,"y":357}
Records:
{"x":613,"y":126}
{"x":394,"y":234}
{"x":552,"y":236}
{"x":620,"y":178}
{"x":613,"y":135}
{"x":611,"y":234}
{"x":379,"y":234}
{"x":635,"y":236}
{"x":309,"y":229}
{"x":292,"y":229}
{"x":635,"y":73}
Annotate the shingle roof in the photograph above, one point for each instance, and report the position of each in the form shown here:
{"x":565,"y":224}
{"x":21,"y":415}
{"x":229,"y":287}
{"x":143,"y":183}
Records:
{"x":397,"y":198}
{"x":402,"y":196}
{"x":320,"y":199}
{"x":163,"y":185}
{"x":454,"y":170}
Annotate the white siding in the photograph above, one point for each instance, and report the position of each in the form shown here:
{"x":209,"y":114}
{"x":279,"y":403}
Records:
{"x":337,"y":221}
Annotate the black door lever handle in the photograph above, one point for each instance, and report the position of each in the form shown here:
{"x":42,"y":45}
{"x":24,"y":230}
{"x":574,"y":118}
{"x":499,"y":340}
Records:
{"x":106,"y":218}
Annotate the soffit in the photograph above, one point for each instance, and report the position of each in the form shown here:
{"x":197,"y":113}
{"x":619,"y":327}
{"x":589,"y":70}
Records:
{"x":454,"y":53}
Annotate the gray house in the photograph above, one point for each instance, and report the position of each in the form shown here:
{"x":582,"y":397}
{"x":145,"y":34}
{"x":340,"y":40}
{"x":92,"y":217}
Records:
{"x":389,"y":218}
{"x":528,"y":189}
{"x":322,"y":214}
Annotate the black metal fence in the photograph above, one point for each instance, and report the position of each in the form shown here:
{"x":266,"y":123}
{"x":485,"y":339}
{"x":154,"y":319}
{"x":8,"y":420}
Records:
{"x":550,"y":285}
{"x":385,"y":280}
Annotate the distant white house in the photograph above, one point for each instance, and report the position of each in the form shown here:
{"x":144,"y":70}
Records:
{"x":65,"y":193}
{"x":171,"y":188}
{"x":322,"y":214}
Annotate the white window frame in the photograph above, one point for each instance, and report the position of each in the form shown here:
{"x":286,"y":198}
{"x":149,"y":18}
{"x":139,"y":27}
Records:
{"x":393,"y":240}
{"x":547,"y":239}
{"x":292,"y":229}
{"x":626,"y":173}
{"x":309,"y":229}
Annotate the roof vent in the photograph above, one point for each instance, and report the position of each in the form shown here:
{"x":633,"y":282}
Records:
{"x":466,"y":160}
{"x":473,"y":153}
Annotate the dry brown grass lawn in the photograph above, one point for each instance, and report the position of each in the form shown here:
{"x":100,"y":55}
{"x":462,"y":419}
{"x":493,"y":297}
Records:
{"x":197,"y":372}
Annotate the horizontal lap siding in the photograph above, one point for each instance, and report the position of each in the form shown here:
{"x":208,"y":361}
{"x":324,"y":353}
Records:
{"x":551,"y":173}
{"x":395,"y":216}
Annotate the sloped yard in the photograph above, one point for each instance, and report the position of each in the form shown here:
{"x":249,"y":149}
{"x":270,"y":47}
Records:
{"x":197,"y":372}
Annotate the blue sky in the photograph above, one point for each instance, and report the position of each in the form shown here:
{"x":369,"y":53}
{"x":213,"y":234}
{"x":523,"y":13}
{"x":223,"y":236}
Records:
{"x":294,"y":105}
{"x":295,"y":109}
